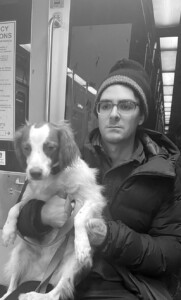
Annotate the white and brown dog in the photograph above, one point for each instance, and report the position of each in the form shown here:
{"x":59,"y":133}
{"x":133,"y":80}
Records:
{"x":53,"y":164}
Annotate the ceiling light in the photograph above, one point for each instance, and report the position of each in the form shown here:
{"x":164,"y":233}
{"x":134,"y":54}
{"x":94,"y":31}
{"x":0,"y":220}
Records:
{"x":70,"y":73}
{"x":168,"y":78}
{"x":80,"y":106}
{"x":167,"y":12}
{"x":167,"y":104}
{"x":92,"y":90}
{"x":167,"y":109}
{"x":167,"y":98}
{"x":168,"y":89}
{"x":27,"y":47}
{"x":168,"y":60}
{"x":81,"y":81}
{"x":169,"y":43}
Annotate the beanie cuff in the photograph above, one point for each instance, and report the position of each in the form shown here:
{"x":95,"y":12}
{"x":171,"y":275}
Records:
{"x":121,"y":79}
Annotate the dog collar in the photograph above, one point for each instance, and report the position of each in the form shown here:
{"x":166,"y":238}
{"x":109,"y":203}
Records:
{"x":55,"y":169}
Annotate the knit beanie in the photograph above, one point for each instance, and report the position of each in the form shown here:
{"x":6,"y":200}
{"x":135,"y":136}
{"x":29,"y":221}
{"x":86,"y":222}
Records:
{"x":131,"y":74}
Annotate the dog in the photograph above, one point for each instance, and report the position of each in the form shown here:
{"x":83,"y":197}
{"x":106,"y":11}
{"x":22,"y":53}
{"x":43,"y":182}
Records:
{"x":53,"y":165}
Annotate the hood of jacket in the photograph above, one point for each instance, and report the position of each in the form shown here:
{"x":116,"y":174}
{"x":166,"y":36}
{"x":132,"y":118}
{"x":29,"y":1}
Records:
{"x":161,"y":153}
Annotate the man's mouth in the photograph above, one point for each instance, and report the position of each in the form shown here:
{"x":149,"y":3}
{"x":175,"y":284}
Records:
{"x":114,"y":127}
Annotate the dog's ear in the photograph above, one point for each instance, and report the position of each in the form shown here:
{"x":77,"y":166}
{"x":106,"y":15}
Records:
{"x":18,"y":147}
{"x":68,"y":149}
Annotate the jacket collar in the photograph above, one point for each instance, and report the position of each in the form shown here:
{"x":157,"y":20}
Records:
{"x":157,"y":151}
{"x":138,"y":154}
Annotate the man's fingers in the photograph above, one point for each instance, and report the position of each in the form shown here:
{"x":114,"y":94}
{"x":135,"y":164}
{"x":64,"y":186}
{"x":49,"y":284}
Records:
{"x":68,"y":206}
{"x":96,"y":225}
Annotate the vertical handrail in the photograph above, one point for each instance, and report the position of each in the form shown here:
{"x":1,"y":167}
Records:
{"x":53,"y":23}
{"x":146,"y":53}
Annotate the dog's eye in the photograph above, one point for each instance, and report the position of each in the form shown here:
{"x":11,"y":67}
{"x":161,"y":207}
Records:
{"x":26,"y":149}
{"x":49,"y":148}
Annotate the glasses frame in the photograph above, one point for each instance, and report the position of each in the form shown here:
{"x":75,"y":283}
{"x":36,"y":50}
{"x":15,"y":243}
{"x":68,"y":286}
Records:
{"x":113,"y":104}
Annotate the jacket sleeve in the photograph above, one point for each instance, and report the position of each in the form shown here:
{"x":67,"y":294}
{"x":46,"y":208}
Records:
{"x":151,"y":254}
{"x":29,"y":221}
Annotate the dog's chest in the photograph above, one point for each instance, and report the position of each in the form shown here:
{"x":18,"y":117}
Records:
{"x":39,"y":257}
{"x":45,"y":189}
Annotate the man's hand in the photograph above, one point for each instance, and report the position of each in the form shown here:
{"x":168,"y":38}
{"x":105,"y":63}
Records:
{"x":56,"y":211}
{"x":97,"y":231}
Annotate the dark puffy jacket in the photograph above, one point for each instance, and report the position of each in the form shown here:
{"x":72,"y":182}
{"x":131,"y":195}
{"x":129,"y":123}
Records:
{"x":143,"y":245}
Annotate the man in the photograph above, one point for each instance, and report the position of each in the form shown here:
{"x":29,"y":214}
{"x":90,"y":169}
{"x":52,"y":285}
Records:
{"x":139,"y":248}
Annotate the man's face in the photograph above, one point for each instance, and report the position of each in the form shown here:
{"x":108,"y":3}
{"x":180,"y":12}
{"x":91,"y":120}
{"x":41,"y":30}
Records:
{"x":119,"y":125}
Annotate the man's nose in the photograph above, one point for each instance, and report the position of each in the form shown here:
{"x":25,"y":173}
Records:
{"x":114,"y":111}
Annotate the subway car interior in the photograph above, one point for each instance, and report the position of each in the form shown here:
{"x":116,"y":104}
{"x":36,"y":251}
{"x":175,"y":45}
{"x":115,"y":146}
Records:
{"x":57,"y":53}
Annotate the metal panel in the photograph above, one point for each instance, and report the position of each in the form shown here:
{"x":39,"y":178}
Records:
{"x":10,"y":186}
{"x":38,"y":63}
{"x":59,"y":59}
{"x":42,"y":35}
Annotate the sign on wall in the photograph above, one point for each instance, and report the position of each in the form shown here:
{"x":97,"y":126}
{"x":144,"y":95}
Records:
{"x":7,"y":79}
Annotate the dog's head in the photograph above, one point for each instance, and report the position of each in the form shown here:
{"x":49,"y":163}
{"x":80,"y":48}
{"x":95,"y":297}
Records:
{"x":44,"y":149}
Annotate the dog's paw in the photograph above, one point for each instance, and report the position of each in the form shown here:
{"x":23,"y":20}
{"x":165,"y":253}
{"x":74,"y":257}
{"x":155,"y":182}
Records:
{"x":83,"y":254}
{"x":8,"y":235}
{"x":32,"y":296}
{"x":37,"y":296}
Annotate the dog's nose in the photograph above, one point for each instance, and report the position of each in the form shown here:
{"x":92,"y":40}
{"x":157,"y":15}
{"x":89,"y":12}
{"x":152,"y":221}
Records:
{"x":36,"y":173}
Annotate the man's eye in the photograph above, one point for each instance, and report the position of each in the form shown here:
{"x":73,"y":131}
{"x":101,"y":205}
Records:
{"x":127,"y":105}
{"x":105,"y":106}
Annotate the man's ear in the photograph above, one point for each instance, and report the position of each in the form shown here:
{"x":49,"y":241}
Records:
{"x":142,"y":119}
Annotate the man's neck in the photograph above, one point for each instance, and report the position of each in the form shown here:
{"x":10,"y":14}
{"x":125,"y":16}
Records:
{"x":120,"y":152}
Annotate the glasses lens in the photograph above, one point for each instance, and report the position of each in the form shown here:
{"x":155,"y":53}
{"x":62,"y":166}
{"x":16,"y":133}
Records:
{"x":126,"y":105}
{"x":104,"y":107}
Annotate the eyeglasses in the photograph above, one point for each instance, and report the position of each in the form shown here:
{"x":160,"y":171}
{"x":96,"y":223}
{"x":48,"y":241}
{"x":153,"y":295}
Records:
{"x":105,"y":107}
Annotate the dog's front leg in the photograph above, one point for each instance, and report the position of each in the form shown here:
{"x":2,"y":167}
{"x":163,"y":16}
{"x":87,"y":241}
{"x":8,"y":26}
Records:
{"x":69,"y":273}
{"x":12,"y":286}
{"x":63,"y":290}
{"x":9,"y":231}
{"x":63,"y":279}
{"x":83,"y":249}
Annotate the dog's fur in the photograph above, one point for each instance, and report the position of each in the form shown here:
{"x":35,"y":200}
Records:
{"x":41,"y":148}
